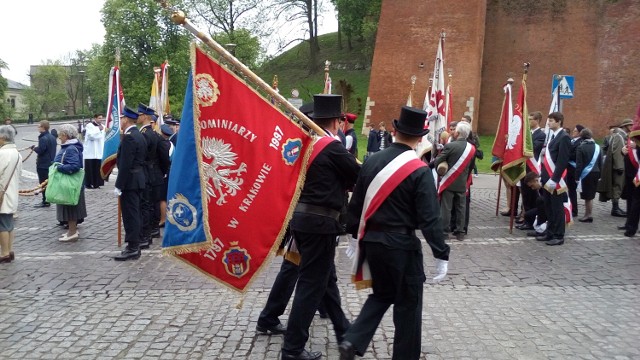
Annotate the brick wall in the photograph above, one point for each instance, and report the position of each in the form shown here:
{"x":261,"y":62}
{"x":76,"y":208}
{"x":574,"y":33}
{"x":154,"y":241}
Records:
{"x":596,"y":41}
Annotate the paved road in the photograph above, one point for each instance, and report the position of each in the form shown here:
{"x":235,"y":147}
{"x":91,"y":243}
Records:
{"x":506,"y":296}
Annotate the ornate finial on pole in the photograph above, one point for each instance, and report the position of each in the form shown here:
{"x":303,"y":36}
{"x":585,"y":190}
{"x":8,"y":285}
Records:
{"x":510,"y":76}
{"x":526,"y":67}
{"x":443,"y":34}
{"x":450,"y":73}
{"x":413,"y":81}
{"x":117,"y":57}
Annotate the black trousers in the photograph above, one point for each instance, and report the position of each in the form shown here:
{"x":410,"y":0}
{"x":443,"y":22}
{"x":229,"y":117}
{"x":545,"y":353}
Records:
{"x":43,"y":174}
{"x":131,"y":218}
{"x":92,"y":178}
{"x":633,"y":210}
{"x":572,"y":185}
{"x":280,"y":294}
{"x":150,"y":207}
{"x":554,"y":203}
{"x":317,"y":282}
{"x":398,"y":277}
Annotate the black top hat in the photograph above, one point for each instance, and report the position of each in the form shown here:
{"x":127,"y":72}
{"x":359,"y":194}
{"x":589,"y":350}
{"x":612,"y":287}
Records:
{"x":411,"y":122}
{"x":326,"y":106}
{"x":306,"y":108}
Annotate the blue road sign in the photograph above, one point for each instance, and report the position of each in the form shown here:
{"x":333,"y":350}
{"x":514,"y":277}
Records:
{"x":565,"y":85}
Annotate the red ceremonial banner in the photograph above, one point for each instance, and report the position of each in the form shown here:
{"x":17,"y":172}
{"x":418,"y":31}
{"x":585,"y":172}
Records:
{"x":252,"y":161}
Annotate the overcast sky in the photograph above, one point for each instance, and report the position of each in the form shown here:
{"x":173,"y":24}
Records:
{"x":33,"y":31}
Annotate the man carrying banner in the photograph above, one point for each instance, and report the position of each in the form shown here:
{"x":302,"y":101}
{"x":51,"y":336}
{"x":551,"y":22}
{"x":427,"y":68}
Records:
{"x":458,"y":156}
{"x":315,"y":227}
{"x":395,"y":194}
{"x":554,"y":165}
{"x":130,"y":182}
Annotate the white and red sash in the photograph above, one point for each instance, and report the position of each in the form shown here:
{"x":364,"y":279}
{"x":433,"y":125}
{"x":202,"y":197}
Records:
{"x":534,"y":165}
{"x":568,"y":212}
{"x":379,"y":189}
{"x":550,"y":166}
{"x":457,"y":168}
{"x":635,"y":161}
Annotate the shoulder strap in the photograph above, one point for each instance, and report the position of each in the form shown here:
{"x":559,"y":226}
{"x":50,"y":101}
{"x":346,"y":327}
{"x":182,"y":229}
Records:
{"x":11,"y":176}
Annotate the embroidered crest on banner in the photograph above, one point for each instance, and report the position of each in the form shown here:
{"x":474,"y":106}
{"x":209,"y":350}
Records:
{"x":222,"y":179}
{"x":291,"y":151}
{"x":206,"y":90}
{"x":236,"y":260}
{"x":181,"y":213}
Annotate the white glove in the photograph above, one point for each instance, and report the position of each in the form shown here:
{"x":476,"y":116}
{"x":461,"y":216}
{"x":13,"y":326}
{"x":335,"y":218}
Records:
{"x":441,"y":270}
{"x":551,"y":184}
{"x":351,"y":249}
{"x":117,"y":192}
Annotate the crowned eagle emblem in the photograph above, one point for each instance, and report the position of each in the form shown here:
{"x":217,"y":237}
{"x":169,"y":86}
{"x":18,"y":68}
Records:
{"x":222,"y":178}
{"x":206,"y":90}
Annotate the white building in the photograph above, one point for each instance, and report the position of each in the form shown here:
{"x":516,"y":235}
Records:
{"x":14,"y":96}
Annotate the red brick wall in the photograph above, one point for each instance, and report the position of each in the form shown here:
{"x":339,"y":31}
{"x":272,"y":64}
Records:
{"x":408,"y":34}
{"x":595,"y":41}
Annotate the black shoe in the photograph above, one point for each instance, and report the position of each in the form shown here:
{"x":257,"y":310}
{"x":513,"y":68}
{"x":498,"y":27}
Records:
{"x":587,"y":220}
{"x":554,"y":242}
{"x":347,"y":352}
{"x":127,"y":254}
{"x":161,"y":225}
{"x":629,"y":233}
{"x":524,"y":227}
{"x":542,"y":238}
{"x":271,"y":330}
{"x":155,"y":233}
{"x":519,"y":221}
{"x":535,"y":234}
{"x":623,"y":227}
{"x":144,"y":245}
{"x":505,"y":213}
{"x":304,"y":355}
{"x":618,"y":213}
{"x":42,"y":205}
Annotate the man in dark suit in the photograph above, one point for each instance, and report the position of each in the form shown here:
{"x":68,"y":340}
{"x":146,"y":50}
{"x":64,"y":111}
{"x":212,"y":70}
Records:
{"x":155,"y":176}
{"x":529,"y":195}
{"x":390,"y":245}
{"x":46,"y":151}
{"x":315,"y":227}
{"x":556,"y":194}
{"x":130,"y":182}
{"x":453,"y":193}
{"x":537,"y":133}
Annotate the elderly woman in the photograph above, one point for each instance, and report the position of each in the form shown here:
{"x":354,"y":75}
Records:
{"x":70,"y":159}
{"x":587,"y":172}
{"x":10,"y":169}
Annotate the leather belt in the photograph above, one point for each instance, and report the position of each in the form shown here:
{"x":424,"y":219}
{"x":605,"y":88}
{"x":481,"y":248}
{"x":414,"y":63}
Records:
{"x":317,"y":210}
{"x":390,"y":229}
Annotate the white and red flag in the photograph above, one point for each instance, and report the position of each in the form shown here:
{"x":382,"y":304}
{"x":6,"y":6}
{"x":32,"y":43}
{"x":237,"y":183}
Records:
{"x":435,"y":108}
{"x":115,"y":103}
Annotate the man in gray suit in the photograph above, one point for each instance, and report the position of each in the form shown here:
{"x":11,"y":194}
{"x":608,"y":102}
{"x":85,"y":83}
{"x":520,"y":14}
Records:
{"x":453,"y":185}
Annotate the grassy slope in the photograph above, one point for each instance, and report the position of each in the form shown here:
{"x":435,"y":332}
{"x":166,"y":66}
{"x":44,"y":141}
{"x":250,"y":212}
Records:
{"x":291,"y":69}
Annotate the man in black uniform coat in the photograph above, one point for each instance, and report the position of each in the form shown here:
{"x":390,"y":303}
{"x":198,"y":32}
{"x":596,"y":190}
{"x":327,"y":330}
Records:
{"x":558,"y":147}
{"x":538,"y":137}
{"x":130,"y":182}
{"x":392,"y":249}
{"x":155,"y":177}
{"x":315,"y":227}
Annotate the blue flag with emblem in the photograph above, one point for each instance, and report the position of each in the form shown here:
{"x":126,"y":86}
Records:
{"x":184,"y":206}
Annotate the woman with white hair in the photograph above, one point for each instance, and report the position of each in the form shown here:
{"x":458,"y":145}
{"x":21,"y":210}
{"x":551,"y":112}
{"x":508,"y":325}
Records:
{"x":70,"y":159}
{"x":10,"y":169}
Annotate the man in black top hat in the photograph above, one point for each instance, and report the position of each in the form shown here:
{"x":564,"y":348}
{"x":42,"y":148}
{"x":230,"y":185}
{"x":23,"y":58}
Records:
{"x":390,"y":245}
{"x":130,"y":181}
{"x":315,"y":227}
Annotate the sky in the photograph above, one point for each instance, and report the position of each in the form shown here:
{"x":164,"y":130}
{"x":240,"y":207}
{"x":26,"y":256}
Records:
{"x":34,"y":31}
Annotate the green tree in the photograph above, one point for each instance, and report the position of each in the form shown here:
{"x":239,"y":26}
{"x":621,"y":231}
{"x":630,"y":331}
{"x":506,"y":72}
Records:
{"x":3,"y":88}
{"x":305,"y":11}
{"x":146,"y":38}
{"x":47,"y":95}
{"x":358,"y":19}
{"x":238,"y":22}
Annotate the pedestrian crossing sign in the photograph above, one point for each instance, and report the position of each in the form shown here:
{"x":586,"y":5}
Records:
{"x":565,"y":85}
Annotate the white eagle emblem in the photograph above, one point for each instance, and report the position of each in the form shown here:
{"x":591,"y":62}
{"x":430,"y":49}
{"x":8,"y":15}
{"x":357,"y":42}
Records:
{"x":206,"y":90}
{"x":221,"y":180}
{"x":514,"y":131}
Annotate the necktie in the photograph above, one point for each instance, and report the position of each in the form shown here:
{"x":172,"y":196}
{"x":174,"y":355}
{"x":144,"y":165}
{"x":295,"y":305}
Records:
{"x":553,"y":137}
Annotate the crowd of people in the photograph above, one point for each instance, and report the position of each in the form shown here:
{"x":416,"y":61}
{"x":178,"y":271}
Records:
{"x":142,"y":175}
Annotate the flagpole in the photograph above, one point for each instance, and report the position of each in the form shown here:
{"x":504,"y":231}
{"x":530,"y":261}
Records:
{"x":119,"y":214}
{"x":499,"y":190}
{"x":179,"y":18}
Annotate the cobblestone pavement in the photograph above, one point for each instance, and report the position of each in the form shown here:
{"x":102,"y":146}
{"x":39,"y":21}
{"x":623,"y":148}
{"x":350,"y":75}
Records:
{"x":506,"y":296}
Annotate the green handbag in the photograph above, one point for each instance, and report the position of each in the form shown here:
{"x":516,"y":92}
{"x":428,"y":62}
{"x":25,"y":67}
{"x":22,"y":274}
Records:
{"x":64,"y":189}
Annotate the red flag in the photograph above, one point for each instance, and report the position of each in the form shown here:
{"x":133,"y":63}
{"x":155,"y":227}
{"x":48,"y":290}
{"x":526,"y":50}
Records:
{"x":251,"y":165}
{"x":500,"y":142}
